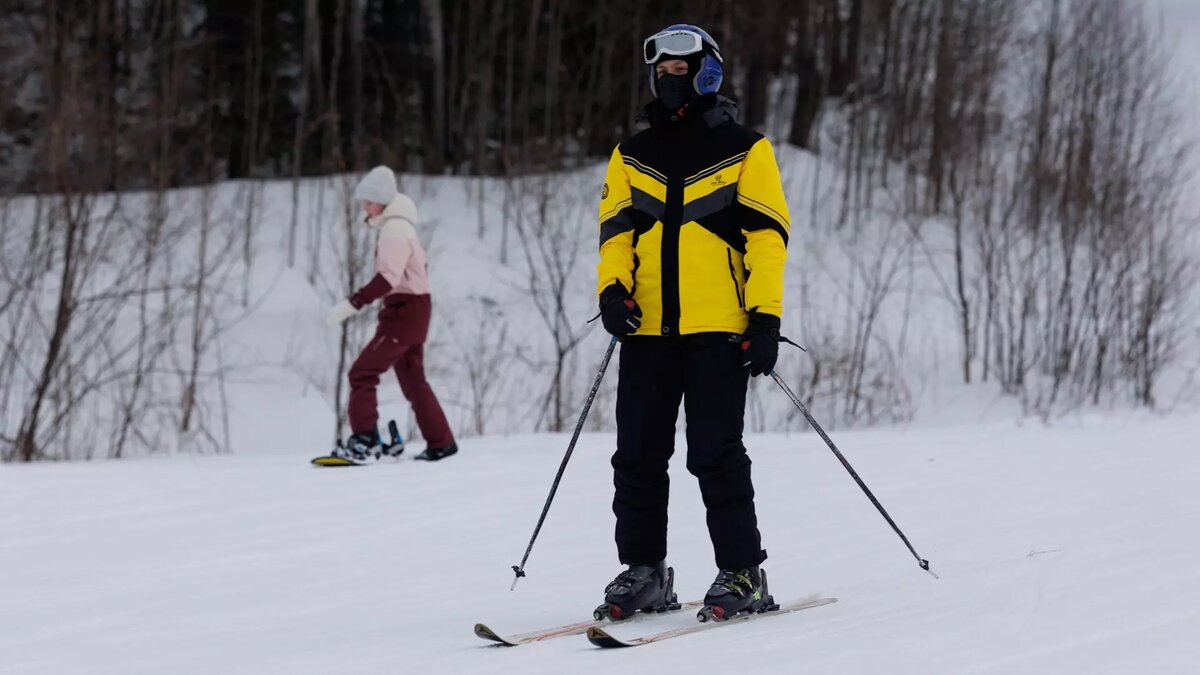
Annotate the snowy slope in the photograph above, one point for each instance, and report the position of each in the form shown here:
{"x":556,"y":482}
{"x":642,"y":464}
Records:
{"x":269,"y":359}
{"x":1061,"y":549}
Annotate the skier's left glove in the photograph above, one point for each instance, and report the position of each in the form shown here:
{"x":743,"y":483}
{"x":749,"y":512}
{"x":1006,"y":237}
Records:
{"x":760,"y":343}
{"x":340,"y":312}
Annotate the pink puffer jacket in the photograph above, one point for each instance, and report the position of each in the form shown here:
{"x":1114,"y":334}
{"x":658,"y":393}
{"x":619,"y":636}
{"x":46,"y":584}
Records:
{"x":400,"y":262}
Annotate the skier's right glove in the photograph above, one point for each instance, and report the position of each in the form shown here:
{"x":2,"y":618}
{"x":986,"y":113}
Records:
{"x":620,"y":314}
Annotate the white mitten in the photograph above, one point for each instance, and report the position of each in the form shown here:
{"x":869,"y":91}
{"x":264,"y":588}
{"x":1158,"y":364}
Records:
{"x":340,"y":312}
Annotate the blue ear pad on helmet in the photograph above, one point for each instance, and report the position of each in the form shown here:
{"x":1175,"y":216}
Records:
{"x":708,"y":76}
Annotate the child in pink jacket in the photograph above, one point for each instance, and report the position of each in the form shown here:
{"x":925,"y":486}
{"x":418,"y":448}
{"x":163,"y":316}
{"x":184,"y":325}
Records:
{"x":402,"y":281}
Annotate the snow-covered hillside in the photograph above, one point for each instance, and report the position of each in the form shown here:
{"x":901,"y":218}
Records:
{"x":264,"y":356}
{"x":1061,"y":549}
{"x":213,"y":302}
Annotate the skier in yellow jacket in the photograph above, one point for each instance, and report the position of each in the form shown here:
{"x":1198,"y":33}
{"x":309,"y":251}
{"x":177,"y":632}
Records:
{"x":693,"y":243}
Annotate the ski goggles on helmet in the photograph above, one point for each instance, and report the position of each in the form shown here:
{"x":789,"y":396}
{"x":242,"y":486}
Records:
{"x":671,"y":43}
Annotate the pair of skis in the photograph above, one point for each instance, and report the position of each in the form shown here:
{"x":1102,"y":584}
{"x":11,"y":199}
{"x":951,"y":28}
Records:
{"x":598,"y":635}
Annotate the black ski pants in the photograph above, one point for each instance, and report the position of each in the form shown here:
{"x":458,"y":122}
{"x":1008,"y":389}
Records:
{"x":704,"y":371}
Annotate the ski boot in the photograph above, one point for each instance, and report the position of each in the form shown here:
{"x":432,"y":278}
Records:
{"x":733,"y":593}
{"x":434,"y":454}
{"x":648,"y":588}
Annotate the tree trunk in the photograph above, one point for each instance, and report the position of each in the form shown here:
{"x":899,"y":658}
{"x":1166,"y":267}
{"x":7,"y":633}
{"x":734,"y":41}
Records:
{"x":809,"y":90}
{"x":943,"y":99}
{"x":434,"y":91}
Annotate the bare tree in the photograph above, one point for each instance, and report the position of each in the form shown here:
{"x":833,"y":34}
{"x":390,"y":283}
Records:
{"x":551,"y":249}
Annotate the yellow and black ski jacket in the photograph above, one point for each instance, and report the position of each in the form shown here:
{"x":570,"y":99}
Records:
{"x":693,"y":223}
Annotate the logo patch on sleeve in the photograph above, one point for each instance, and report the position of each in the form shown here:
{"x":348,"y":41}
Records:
{"x":604,"y":192}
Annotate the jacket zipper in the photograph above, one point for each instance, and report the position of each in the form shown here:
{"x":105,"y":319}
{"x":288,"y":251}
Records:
{"x":672,"y":223}
{"x":737,"y":291}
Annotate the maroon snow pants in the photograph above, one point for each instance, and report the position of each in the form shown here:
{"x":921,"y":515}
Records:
{"x":399,"y":344}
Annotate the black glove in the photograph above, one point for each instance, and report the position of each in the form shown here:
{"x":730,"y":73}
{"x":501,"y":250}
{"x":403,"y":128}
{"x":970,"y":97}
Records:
{"x":620,"y":314}
{"x":760,"y":343}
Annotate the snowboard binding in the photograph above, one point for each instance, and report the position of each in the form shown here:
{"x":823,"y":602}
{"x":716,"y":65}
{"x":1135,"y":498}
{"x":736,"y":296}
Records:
{"x":667,"y":602}
{"x":364,"y":454}
{"x":396,"y":447}
{"x":765,"y":603}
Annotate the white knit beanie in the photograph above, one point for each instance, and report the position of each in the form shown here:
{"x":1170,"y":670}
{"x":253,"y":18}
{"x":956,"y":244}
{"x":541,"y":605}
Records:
{"x":379,"y":186}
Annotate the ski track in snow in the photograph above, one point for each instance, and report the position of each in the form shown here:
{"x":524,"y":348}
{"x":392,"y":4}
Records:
{"x":1068,"y":548}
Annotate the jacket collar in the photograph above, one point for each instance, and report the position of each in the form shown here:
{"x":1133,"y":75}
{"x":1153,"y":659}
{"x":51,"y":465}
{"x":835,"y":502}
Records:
{"x":706,"y":112}
{"x":397,"y":208}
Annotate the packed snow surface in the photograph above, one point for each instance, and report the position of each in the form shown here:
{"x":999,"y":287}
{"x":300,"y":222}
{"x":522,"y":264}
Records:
{"x":1063,"y":548}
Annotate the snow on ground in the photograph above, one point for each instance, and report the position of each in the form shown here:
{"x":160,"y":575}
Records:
{"x":1067,"y":548}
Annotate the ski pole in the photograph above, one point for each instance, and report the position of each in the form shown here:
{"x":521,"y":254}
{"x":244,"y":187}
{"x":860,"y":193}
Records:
{"x":853,"y":474}
{"x":519,"y":570}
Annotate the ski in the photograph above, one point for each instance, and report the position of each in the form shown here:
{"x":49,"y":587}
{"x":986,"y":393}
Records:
{"x":601,"y":638}
{"x":486,"y":633}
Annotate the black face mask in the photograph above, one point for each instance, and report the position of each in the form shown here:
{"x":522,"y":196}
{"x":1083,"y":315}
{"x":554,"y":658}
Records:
{"x":675,"y":91}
